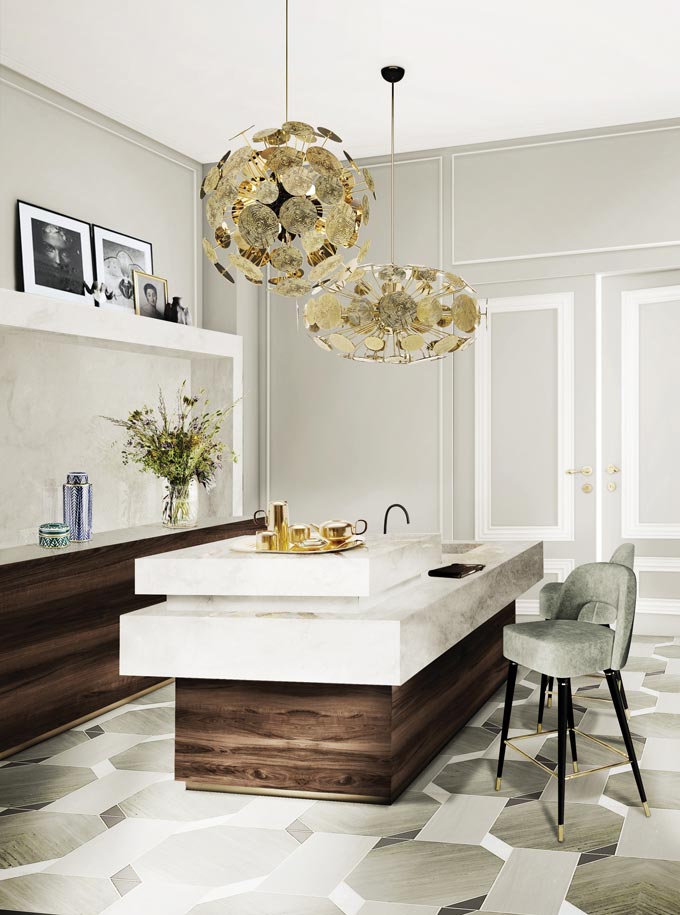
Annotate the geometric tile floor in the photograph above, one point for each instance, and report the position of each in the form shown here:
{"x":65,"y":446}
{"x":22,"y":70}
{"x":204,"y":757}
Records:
{"x":91,"y":821}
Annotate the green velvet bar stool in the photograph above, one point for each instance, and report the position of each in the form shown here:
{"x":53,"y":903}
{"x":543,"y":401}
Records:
{"x":548,"y":600}
{"x":571,"y":646}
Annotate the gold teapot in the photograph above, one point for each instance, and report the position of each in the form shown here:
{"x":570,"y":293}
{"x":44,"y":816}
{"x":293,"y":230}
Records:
{"x":339,"y":531}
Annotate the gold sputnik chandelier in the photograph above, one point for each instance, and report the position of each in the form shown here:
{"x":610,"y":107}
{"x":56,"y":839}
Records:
{"x":285,"y":200}
{"x":389,"y":313}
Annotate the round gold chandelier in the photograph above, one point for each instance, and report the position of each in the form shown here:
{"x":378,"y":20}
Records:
{"x":285,"y":200}
{"x":389,"y":313}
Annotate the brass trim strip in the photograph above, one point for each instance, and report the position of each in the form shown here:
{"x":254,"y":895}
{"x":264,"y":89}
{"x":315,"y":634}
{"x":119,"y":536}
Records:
{"x":72,"y":724}
{"x":197,"y":785}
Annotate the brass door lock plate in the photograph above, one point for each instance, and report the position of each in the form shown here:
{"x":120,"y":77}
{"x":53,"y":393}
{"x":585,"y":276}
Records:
{"x":587,"y":487}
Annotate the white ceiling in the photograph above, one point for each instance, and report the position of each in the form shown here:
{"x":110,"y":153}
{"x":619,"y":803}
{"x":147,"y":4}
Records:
{"x":190,"y":74}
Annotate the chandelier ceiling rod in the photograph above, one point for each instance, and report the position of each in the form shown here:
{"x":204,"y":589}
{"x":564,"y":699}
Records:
{"x":392,"y":74}
{"x":286,"y":59}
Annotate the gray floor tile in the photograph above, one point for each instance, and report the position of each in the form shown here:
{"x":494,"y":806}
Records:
{"x":142,"y":721}
{"x":662,"y":788}
{"x":40,"y":783}
{"x":425,"y":873}
{"x":40,"y":836}
{"x":56,"y":894}
{"x":269,"y":903}
{"x":51,"y":747}
{"x":410,"y":813}
{"x":169,"y":800}
{"x":151,"y":756}
{"x":532,"y":882}
{"x":478,"y":776}
{"x":627,"y":886}
{"x":533,"y":825}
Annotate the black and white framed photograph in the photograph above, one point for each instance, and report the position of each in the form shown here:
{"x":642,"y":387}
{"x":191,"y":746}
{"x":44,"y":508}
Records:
{"x":56,"y":255}
{"x":116,"y":256}
{"x":150,"y":295}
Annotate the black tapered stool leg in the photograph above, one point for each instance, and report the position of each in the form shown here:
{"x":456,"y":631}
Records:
{"x":613,"y":683}
{"x":507,"y":711}
{"x":541,"y":702}
{"x":623,"y":694}
{"x":572,"y":732}
{"x":562,"y":714}
{"x":551,"y":683}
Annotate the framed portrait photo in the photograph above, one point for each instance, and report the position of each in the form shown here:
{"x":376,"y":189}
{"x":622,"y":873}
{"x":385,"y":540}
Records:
{"x":116,"y":256}
{"x":150,"y":295}
{"x":56,"y":255}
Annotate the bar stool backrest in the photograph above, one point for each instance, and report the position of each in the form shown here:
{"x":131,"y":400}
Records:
{"x":610,"y":583}
{"x":624,"y":555}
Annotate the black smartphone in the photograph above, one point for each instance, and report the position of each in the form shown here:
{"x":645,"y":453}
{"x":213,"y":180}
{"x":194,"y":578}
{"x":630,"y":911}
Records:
{"x":455,"y":570}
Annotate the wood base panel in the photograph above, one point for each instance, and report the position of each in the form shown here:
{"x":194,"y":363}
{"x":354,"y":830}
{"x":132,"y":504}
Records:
{"x":324,"y":740}
{"x":60,"y":621}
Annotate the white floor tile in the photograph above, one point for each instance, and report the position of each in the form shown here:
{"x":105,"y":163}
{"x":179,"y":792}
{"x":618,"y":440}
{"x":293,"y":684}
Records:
{"x":397,"y":908}
{"x":464,"y":819}
{"x":661,"y":753}
{"x":106,"y":792}
{"x":657,"y":836}
{"x":114,"y":849}
{"x":319,"y":864}
{"x":156,"y":899}
{"x":271,"y":812}
{"x":532,"y":882}
{"x":668,"y":702}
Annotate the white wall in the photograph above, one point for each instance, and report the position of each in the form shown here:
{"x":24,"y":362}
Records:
{"x":60,"y":155}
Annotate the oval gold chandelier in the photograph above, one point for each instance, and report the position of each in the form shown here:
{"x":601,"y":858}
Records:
{"x":285,"y":200}
{"x":389,"y":313}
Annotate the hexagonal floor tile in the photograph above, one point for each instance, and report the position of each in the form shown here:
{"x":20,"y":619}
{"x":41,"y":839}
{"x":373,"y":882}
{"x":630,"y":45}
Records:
{"x":171,"y":801}
{"x":533,"y":825}
{"x":662,"y":788}
{"x":143,"y":721}
{"x":57,"y":894}
{"x":478,"y":776}
{"x":524,"y":717}
{"x":150,"y":756}
{"x":425,"y":873}
{"x":216,"y":856}
{"x":662,"y":683}
{"x":40,"y":836}
{"x":634,"y":886}
{"x":409,"y":813}
{"x":668,"y":651}
{"x":39,"y":784}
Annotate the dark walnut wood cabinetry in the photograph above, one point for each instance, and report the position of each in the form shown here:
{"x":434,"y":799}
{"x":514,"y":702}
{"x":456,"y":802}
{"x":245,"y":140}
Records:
{"x":59,"y":619}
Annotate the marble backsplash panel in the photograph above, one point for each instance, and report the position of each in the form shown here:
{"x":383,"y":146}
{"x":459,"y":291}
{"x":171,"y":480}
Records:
{"x":52,"y":398}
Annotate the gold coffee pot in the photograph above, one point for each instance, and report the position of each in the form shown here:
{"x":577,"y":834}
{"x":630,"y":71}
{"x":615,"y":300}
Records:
{"x":276,"y":518}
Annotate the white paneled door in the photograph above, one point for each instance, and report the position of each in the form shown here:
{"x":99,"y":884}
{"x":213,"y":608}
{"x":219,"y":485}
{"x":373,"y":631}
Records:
{"x":640,"y":480}
{"x":577,"y":424}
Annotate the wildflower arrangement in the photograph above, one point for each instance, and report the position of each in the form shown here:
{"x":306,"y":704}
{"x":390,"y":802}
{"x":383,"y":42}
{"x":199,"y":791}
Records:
{"x":177,"y":446}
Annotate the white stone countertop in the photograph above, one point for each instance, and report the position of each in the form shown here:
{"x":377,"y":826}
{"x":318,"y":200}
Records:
{"x":341,"y":635}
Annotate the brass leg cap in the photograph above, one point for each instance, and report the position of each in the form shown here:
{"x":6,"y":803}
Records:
{"x":498,"y":784}
{"x":646,"y":809}
{"x":539,"y":728}
{"x":549,"y":702}
{"x":560,"y":833}
{"x":628,"y":714}
{"x":575,"y":765}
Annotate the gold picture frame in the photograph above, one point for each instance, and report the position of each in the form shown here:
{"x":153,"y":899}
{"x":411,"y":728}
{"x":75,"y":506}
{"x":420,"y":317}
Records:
{"x":150,"y":295}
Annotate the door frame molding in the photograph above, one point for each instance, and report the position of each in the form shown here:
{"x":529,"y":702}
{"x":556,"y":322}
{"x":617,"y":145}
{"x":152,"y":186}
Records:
{"x":631,"y":525}
{"x":563,"y":303}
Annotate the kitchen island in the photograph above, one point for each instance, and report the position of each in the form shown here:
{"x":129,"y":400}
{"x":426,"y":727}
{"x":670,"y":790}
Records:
{"x":334,"y":675}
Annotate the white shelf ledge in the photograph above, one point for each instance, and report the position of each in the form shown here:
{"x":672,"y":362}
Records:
{"x":86,"y":325}
{"x":72,"y":322}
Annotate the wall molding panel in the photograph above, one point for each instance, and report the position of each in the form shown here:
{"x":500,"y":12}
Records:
{"x":631,"y":525}
{"x":559,"y":567}
{"x":563,"y":303}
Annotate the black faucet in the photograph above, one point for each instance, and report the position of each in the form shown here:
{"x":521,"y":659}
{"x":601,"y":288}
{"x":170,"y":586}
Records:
{"x":394,"y":505}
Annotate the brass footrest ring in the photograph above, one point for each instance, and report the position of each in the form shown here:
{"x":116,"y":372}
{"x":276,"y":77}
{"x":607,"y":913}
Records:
{"x":576,"y":774}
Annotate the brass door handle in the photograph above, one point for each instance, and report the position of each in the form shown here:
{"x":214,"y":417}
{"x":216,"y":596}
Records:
{"x":586,"y":471}
{"x":612,"y":468}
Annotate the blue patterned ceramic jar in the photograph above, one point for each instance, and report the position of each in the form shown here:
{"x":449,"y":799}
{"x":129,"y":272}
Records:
{"x":78,"y":505}
{"x":54,"y":535}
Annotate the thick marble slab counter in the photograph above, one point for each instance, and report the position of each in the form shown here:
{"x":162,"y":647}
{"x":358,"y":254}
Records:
{"x":369,"y":616}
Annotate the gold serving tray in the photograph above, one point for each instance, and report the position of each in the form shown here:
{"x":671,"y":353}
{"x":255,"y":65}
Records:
{"x":351,"y":544}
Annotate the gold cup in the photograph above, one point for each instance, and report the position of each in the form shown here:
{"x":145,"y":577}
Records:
{"x":277,"y":520}
{"x":266,"y":541}
{"x":298,"y":533}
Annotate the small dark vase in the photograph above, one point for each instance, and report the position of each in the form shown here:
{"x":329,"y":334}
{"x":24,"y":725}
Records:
{"x":171,"y":310}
